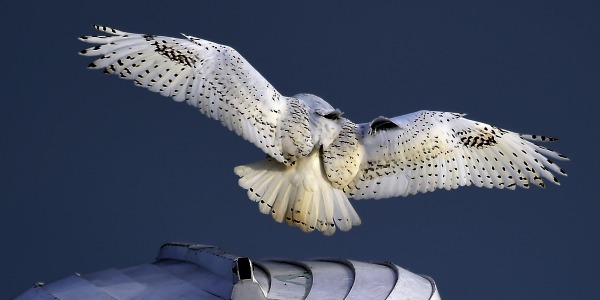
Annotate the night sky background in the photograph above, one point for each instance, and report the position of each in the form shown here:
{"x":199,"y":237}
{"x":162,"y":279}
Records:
{"x":96,"y":173}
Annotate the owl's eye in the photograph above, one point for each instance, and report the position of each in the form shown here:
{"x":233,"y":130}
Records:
{"x":382,"y":124}
{"x":332,"y":116}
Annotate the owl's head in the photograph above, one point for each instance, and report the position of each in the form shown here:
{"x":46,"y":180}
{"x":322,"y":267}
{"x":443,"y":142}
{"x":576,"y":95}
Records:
{"x":324,"y":118}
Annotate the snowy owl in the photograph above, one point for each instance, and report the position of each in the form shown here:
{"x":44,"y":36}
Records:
{"x":317,"y":159}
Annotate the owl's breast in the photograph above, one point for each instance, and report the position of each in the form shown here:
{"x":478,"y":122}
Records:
{"x":341,"y":159}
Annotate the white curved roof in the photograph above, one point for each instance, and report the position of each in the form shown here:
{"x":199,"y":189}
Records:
{"x":190,"y":271}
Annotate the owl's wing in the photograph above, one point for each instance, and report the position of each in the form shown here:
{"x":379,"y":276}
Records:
{"x":427,"y":150}
{"x":212,"y":77}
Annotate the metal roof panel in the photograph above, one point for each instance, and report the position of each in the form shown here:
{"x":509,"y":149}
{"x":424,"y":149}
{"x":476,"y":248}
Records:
{"x":183,"y":271}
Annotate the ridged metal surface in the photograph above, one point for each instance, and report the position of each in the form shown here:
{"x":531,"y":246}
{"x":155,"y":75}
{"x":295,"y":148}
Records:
{"x":186,"y":271}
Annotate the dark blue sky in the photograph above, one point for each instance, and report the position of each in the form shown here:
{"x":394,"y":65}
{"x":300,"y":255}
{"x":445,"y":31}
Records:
{"x":96,"y":173}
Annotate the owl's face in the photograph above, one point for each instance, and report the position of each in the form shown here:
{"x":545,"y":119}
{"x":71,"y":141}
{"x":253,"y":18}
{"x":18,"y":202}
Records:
{"x":328,"y":126}
{"x":325,"y":120}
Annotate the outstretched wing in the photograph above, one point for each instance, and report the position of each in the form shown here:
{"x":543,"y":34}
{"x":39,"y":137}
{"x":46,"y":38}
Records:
{"x":427,"y":150}
{"x":212,"y":77}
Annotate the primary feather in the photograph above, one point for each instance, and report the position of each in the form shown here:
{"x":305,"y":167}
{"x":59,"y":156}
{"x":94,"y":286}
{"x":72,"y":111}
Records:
{"x":317,"y":159}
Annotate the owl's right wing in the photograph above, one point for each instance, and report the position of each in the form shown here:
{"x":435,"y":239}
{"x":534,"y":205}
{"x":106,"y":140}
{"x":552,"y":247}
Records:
{"x":428,"y":150}
{"x":212,"y":77}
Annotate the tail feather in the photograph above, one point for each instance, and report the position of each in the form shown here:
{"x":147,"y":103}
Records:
{"x":326,"y":225}
{"x":300,"y":210}
{"x":313,"y":211}
{"x":280,"y":207}
{"x":342,"y":212}
{"x":266,"y":204}
{"x":300,"y":195}
{"x":259,"y":189}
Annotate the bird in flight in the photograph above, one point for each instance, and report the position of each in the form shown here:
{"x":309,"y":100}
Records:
{"x":317,"y":159}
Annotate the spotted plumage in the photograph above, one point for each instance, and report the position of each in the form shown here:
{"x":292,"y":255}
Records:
{"x":317,"y":158}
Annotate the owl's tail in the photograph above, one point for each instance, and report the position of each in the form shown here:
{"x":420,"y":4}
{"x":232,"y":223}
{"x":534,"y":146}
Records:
{"x":301,"y":195}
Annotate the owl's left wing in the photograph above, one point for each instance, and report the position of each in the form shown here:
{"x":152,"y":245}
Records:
{"x":212,"y":77}
{"x":428,"y":150}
